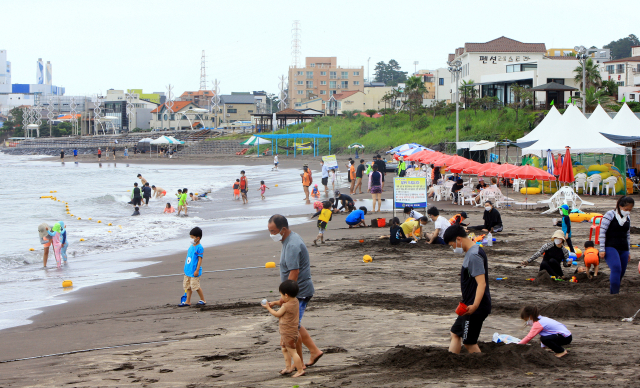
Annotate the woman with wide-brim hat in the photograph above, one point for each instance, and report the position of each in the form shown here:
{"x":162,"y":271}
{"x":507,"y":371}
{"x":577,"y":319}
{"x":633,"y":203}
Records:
{"x":554,"y":255}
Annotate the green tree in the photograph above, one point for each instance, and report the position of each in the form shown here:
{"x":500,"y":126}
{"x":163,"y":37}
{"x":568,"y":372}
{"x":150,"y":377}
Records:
{"x":467,"y":92}
{"x":592,"y":74}
{"x":521,"y":95}
{"x":389,"y":73}
{"x":621,"y":48}
{"x":414,"y":93}
{"x":594,"y":97}
{"x":370,"y":112}
{"x":611,"y":87}
{"x":436,"y":106}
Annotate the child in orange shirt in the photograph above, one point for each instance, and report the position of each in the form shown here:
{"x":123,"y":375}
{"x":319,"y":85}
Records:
{"x":352,"y":175}
{"x":591,"y":257}
{"x":236,"y":190}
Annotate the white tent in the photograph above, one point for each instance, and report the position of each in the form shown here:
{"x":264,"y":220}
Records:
{"x":574,"y":131}
{"x":483,"y":145}
{"x":625,"y":123}
{"x":599,"y":119}
{"x":545,"y":128}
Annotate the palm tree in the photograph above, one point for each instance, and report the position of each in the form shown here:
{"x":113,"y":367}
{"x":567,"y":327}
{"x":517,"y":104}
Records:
{"x":468,"y":92}
{"x":593,"y":98}
{"x":414,"y":91}
{"x":592,"y":74}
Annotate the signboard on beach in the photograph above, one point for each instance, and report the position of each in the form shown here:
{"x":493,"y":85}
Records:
{"x":409,"y":192}
{"x":330,"y":161}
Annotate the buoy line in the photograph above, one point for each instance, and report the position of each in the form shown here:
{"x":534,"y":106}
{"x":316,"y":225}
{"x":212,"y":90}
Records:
{"x":86,"y":350}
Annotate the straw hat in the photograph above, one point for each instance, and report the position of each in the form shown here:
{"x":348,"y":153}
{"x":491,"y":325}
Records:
{"x":558,"y":234}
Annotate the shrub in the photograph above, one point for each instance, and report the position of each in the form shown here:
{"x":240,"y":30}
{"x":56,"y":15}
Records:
{"x":421,"y":123}
{"x":466,"y":128}
{"x":449,"y":128}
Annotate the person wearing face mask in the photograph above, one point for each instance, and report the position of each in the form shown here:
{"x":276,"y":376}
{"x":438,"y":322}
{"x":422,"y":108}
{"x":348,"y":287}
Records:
{"x":615,"y":240}
{"x":492,"y":219}
{"x":474,"y":284}
{"x":295,"y":265}
{"x":553,"y":334}
{"x":440,"y":224}
{"x":554,"y":253}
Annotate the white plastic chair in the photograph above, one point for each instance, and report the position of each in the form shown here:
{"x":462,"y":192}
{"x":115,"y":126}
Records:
{"x":437,"y":193}
{"x":594,"y":183}
{"x":610,"y":184}
{"x":567,"y":195}
{"x":580,"y":183}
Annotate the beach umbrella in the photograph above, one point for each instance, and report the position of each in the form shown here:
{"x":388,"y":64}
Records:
{"x":424,"y":156}
{"x":147,"y":140}
{"x":412,"y":151}
{"x":462,"y":166}
{"x":529,"y":173}
{"x":566,"y":171}
{"x":404,"y":147}
{"x":550,"y":162}
{"x":357,"y":146}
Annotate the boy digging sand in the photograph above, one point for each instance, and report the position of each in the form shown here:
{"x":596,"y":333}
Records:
{"x":325,"y":215}
{"x":289,"y":314}
{"x":193,"y":268}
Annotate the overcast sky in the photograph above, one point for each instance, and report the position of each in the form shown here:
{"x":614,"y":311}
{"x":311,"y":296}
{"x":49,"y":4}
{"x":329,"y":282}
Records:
{"x":97,"y":45}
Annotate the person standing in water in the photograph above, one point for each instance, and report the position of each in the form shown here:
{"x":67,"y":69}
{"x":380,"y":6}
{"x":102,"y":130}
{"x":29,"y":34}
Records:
{"x":62,"y":155}
{"x":275,"y":162}
{"x":243,"y":187}
{"x":75,"y":154}
{"x":45,"y":240}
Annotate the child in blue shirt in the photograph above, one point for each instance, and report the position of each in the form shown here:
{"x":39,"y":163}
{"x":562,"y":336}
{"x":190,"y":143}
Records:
{"x":65,"y":243}
{"x":193,"y":268}
{"x":356,"y":217}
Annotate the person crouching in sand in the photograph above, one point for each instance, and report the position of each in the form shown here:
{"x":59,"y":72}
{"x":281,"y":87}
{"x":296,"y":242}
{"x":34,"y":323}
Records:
{"x":289,"y":317}
{"x":553,"y":334}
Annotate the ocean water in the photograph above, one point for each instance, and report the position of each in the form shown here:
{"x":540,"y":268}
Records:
{"x":100,"y":192}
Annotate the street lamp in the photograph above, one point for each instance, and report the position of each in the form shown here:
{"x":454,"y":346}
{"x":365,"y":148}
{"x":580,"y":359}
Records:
{"x":582,"y":56}
{"x":455,"y":67}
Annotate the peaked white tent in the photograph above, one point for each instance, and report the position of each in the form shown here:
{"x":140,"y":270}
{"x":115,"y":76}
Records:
{"x":545,"y":128}
{"x":599,"y":119}
{"x":574,"y":131}
{"x":625,"y":123}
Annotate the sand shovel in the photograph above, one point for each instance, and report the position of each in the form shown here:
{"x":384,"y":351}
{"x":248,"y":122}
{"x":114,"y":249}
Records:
{"x":630,"y":319}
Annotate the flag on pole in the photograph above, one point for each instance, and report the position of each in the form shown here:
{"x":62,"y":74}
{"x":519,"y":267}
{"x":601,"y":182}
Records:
{"x":569,"y":102}
{"x":623,"y":99}
{"x":552,"y":101}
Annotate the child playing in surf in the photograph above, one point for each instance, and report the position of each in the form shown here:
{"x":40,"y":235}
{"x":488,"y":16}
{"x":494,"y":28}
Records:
{"x":323,"y":220}
{"x":179,"y":196}
{"x":315,"y":193}
{"x":553,"y":334}
{"x":65,"y":242}
{"x":136,"y":211}
{"x":236,"y":190}
{"x":289,"y":317}
{"x":56,"y":239}
{"x":193,"y":268}
{"x":262,"y":189}
{"x":169,"y":208}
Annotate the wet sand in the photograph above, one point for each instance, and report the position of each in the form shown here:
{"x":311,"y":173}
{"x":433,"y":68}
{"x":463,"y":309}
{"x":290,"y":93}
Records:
{"x":383,"y":324}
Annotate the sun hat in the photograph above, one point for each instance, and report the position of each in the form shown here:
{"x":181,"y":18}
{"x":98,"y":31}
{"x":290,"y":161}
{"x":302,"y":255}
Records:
{"x":558,"y":234}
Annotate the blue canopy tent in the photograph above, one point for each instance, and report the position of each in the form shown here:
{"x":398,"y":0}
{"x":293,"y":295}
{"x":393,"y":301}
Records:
{"x":314,"y":136}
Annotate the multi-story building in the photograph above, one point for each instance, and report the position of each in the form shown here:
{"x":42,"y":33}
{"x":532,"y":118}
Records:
{"x":155,"y":97}
{"x":624,"y":71}
{"x":182,"y":115}
{"x":320,"y":78}
{"x":496,"y":65}
{"x":115,"y":105}
{"x":202,"y":98}
{"x":237,"y":107}
{"x":597,"y":55}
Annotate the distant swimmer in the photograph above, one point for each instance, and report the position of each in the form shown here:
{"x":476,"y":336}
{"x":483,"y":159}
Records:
{"x":142,"y":180}
{"x":193,"y":197}
{"x":136,"y":211}
{"x":158,"y":192}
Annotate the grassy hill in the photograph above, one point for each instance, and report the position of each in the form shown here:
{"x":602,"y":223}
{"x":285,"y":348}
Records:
{"x":392,"y":130}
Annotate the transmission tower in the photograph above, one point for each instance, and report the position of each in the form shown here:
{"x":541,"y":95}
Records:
{"x":203,"y":72}
{"x":295,"y":44}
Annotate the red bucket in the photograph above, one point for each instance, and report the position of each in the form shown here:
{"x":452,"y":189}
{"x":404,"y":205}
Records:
{"x":461,"y":309}
{"x":382,"y":222}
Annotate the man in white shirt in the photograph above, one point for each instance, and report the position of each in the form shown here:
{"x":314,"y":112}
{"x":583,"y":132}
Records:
{"x":325,"y":176}
{"x":275,"y":162}
{"x":440,"y":223}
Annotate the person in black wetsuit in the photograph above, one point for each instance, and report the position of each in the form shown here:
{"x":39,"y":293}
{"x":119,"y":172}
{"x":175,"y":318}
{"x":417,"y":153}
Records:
{"x":344,"y":200}
{"x":554,"y":254}
{"x":136,"y":195}
{"x":146,"y":193}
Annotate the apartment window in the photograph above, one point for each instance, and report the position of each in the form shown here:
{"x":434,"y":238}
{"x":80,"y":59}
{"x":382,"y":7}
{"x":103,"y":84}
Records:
{"x":441,"y":81}
{"x":620,"y":69}
{"x":323,"y":73}
{"x":632,"y":96}
{"x":159,"y":116}
{"x":339,"y":105}
{"x":300,"y":91}
{"x":610,"y":69}
{"x":428,"y":79}
{"x":345,"y":75}
{"x":333,"y":75}
{"x":323,"y":92}
{"x":620,"y":83}
{"x":332,"y":84}
{"x":309,"y":84}
{"x":345,"y":84}
{"x":309,"y":74}
{"x":301,"y":73}
{"x":232,"y":111}
{"x":298,"y":104}
{"x":356,"y":83}
{"x":323,"y":82}
{"x":249,"y":111}
{"x":300,"y":82}
{"x":313,"y":65}
{"x":638,"y":68}
{"x":356,"y":73}
{"x":333,"y":92}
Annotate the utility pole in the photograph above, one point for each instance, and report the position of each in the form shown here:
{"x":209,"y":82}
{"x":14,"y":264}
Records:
{"x":368,"y":71}
{"x":455,"y":67}
{"x":415,"y":67}
{"x":582,"y":55}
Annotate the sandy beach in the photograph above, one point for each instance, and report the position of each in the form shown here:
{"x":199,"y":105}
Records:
{"x":380,"y":324}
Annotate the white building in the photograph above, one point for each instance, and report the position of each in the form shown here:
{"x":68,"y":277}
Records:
{"x":496,"y":65}
{"x":624,"y":71}
{"x":115,"y":105}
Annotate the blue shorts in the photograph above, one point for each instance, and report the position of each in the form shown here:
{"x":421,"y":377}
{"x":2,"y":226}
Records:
{"x":438,"y":240}
{"x":303,"y":302}
{"x":353,"y":223}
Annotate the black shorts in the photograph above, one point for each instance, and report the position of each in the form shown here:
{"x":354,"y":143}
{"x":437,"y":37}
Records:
{"x":325,"y":181}
{"x":322,"y":224}
{"x":243,"y":191}
{"x":99,"y":156}
{"x":137,"y":201}
{"x":146,"y":199}
{"x":468,"y":327}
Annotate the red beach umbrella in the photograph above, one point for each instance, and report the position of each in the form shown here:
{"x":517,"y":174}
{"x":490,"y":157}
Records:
{"x":566,"y":171}
{"x":529,"y":173}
